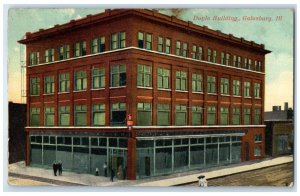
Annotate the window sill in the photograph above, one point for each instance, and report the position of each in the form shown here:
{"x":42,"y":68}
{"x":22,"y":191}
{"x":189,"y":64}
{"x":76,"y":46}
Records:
{"x":34,"y":95}
{"x":257,"y":142}
{"x":79,"y":91}
{"x":115,"y":87}
{"x":212,"y":93}
{"x":97,"y":89}
{"x":259,"y":98}
{"x":180,"y":91}
{"x":63,"y":93}
{"x":225,"y":95}
{"x":48,"y":94}
{"x":198,"y":93}
{"x":142,"y":87}
{"x":248,"y":97}
{"x":238,"y":96}
{"x":164,"y":89}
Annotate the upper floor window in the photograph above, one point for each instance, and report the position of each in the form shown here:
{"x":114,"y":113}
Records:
{"x":118,"y":75}
{"x":181,"y":80}
{"x":49,"y":85}
{"x":224,"y":86}
{"x":185,"y":49}
{"x":163,"y":78}
{"x":163,"y":114}
{"x":211,"y":115}
{"x":49,"y":116}
{"x":197,"y":83}
{"x":149,"y":41}
{"x":257,"y":116}
{"x":168,"y":46}
{"x":144,"y":78}
{"x":249,"y":64}
{"x":160,"y":44}
{"x":180,"y":115}
{"x":239,"y":62}
{"x":214,"y":60}
{"x":80,"y":49}
{"x":258,"y":137}
{"x":178,"y":48}
{"x":197,"y":115}
{"x":256,"y":90}
{"x":64,"y":116}
{"x":118,"y":114}
{"x":98,"y":77}
{"x":245,"y":63}
{"x":80,"y":115}
{"x":257,"y":151}
{"x":98,"y":114}
{"x":227,"y":59}
{"x":64,"y":52}
{"x":49,"y":55}
{"x":98,"y":45}
{"x":194,"y":51}
{"x":236,"y":88}
{"x":80,"y":80}
{"x":34,"y":58}
{"x":118,"y":40}
{"x":259,"y":66}
{"x":64,"y":82}
{"x":255,"y":66}
{"x":234,"y":63}
{"x":34,"y":86}
{"x":247,"y":116}
{"x":236,"y":116}
{"x":222,"y":58}
{"x":34,"y":117}
{"x":211,"y":84}
{"x":209,"y":55}
{"x":140,"y":39}
{"x":199,"y":56}
{"x":223,"y":116}
{"x":144,"y":116}
{"x":246,"y":89}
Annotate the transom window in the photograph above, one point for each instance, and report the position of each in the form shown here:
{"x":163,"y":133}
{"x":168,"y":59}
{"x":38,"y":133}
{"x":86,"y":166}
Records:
{"x":118,"y":75}
{"x":144,"y":78}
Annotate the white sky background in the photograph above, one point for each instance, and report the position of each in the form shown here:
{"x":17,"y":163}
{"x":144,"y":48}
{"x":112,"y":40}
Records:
{"x":276,"y":35}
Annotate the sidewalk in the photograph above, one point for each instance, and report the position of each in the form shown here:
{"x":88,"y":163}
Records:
{"x":159,"y":181}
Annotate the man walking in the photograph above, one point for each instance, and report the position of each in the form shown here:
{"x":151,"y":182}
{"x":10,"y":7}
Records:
{"x":54,"y":166}
{"x":112,"y":174}
{"x":59,"y":165}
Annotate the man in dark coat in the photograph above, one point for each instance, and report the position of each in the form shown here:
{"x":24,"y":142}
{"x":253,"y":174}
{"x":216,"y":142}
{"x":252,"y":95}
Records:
{"x":59,"y":165}
{"x":54,"y":166}
{"x":112,"y":175}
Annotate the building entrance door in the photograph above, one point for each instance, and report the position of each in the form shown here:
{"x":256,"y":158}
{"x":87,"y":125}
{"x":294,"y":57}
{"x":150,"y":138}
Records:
{"x":247,"y":151}
{"x":117,"y":162}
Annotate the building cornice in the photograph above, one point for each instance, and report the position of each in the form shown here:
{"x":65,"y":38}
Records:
{"x":145,"y":13}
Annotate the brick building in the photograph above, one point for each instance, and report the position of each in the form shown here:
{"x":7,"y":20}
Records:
{"x":147,"y":93}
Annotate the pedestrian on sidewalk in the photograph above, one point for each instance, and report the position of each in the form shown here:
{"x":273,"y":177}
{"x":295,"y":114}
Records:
{"x":112,"y":174}
{"x":59,"y":165}
{"x":105,"y":169}
{"x":54,"y":166}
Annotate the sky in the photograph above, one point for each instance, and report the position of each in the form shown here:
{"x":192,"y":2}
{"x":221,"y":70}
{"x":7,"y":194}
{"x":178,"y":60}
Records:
{"x":277,"y":35}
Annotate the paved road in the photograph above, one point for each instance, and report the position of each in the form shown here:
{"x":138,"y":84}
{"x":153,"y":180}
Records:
{"x":280,"y":175}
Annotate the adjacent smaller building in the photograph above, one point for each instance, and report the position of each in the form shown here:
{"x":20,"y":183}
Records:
{"x":17,"y":123}
{"x":279,"y":131}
